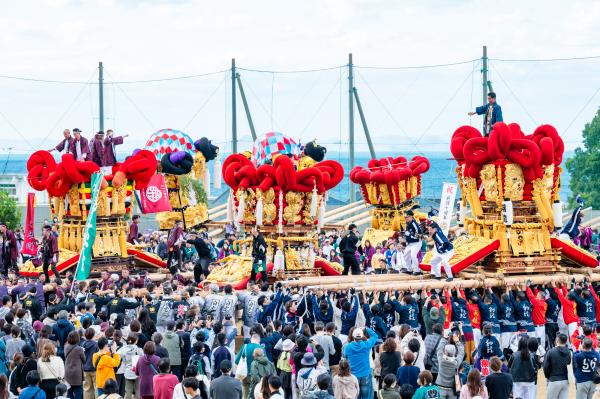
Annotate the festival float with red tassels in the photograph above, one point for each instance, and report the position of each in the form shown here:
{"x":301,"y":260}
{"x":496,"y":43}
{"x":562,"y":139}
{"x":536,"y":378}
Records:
{"x":170,"y":153}
{"x":510,"y":204}
{"x":391,"y":186}
{"x":283,"y":189}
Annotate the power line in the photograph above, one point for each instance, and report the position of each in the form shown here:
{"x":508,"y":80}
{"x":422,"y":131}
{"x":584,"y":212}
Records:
{"x":420,"y":66}
{"x":28,"y":79}
{"x":591,"y":57}
{"x":16,"y":130}
{"x":290,"y":71}
{"x":67,"y":110}
{"x":446,"y":105}
{"x":293,"y":71}
{"x":582,"y":109}
{"x":205,"y":103}
{"x":513,"y":94}
{"x":320,"y":107}
{"x":385,"y":108}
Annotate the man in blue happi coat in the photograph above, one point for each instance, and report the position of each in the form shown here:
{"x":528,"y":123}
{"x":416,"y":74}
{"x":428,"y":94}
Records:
{"x":491,"y":112}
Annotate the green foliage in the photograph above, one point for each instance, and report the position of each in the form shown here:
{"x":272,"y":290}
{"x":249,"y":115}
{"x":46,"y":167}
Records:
{"x":187,"y":184}
{"x":201,"y":196}
{"x":9,"y":211}
{"x":584,"y":167}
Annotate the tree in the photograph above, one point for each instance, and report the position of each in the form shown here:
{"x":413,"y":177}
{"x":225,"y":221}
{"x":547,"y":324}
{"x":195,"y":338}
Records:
{"x":584,"y":167}
{"x":9,"y":211}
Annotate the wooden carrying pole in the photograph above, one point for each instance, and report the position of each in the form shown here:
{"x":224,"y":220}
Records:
{"x":376,"y":278}
{"x":412,"y":285}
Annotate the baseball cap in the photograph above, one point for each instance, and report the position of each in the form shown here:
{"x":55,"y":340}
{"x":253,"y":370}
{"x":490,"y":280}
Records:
{"x":434,"y":313}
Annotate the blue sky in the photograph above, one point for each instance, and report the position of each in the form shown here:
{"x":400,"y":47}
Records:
{"x":407,"y":109}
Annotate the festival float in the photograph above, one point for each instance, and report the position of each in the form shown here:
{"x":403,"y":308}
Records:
{"x":183,"y":163}
{"x":68,"y":184}
{"x":392,"y":187}
{"x":282,"y":188}
{"x":510,"y":202}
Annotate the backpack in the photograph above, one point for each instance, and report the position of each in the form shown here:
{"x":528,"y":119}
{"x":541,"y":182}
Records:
{"x":197,"y":361}
{"x":428,"y":362}
{"x":308,"y":384}
{"x":165,"y":312}
{"x":283,"y":363}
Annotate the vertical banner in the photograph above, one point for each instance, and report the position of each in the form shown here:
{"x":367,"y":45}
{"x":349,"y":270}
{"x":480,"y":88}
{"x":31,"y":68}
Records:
{"x":447,"y":206}
{"x":29,"y":244}
{"x":85,"y":258}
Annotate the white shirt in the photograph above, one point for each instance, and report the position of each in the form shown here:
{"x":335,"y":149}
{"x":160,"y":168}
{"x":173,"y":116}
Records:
{"x":54,"y":369}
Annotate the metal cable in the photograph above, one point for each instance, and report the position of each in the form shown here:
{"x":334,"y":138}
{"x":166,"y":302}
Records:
{"x":513,"y":94}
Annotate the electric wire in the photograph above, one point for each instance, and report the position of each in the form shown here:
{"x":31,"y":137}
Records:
{"x":137,"y":108}
{"x":249,"y":87}
{"x":16,"y":130}
{"x":206,"y":101}
{"x":289,"y":71}
{"x":445,"y":106}
{"x":590,"y":57}
{"x":24,"y":78}
{"x":301,"y":99}
{"x":402,"y":95}
{"x":472,"y":91}
{"x":320,"y":107}
{"x":385,"y":108}
{"x":199,"y":75}
{"x":513,"y":94}
{"x":417,"y":66}
{"x":582,"y":109}
{"x":64,"y":114}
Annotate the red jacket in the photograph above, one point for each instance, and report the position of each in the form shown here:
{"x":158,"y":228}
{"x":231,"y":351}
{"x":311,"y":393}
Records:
{"x":569,"y":307}
{"x":164,"y":385}
{"x":575,"y":341}
{"x":448,"y":309}
{"x":474,"y":312}
{"x":597,"y":300}
{"x":539,"y":308}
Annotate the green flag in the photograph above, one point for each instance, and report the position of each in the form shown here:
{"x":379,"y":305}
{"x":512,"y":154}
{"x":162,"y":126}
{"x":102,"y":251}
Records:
{"x":85,"y":257}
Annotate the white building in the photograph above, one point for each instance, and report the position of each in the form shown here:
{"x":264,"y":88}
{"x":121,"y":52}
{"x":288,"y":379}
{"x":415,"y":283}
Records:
{"x":17,"y":187}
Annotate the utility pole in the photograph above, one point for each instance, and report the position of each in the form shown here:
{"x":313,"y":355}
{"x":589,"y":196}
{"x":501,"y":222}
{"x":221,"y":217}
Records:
{"x":101,"y":96}
{"x":364,"y":124}
{"x":484,"y":72}
{"x":351,"y":123}
{"x":246,"y":108}
{"x":233,"y":109}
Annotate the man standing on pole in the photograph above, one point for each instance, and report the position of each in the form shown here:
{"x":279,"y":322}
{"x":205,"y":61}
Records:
{"x":50,"y":253}
{"x":412,"y":235}
{"x":174,"y":246}
{"x":348,"y":247}
{"x":492,"y":112}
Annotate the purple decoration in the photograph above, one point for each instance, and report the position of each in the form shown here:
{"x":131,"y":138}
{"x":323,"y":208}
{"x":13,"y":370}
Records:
{"x":177,"y":157}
